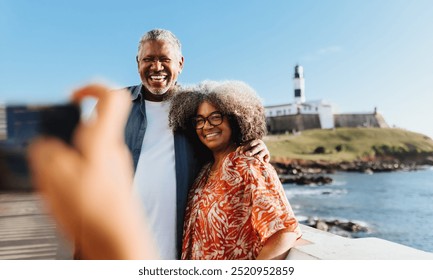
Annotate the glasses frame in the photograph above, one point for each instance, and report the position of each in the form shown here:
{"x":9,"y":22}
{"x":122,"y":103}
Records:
{"x":207,"y":119}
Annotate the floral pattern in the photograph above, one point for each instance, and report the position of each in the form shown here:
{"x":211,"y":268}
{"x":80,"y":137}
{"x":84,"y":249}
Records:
{"x":231,"y":214}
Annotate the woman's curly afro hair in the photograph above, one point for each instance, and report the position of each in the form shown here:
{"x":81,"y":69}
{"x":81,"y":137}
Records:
{"x":234,"y":99}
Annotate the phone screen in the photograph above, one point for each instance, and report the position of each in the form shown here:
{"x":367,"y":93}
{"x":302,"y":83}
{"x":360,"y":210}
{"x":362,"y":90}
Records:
{"x":19,"y":124}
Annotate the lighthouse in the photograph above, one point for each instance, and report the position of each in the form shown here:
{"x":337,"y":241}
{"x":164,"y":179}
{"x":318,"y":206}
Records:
{"x":299,"y":84}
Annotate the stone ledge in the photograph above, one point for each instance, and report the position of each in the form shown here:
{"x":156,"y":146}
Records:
{"x":319,"y":245}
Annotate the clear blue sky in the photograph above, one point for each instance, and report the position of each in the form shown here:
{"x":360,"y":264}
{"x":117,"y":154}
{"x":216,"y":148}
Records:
{"x":356,"y":54}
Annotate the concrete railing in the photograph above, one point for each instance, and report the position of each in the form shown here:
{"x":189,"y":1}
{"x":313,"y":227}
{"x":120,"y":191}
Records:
{"x":319,"y":245}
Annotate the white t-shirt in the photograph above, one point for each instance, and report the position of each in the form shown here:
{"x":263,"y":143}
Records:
{"x":155,"y":178}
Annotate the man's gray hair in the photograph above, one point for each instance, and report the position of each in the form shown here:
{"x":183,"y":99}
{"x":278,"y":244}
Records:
{"x":161,"y":35}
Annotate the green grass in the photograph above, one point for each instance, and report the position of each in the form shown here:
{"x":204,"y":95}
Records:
{"x":353,"y":143}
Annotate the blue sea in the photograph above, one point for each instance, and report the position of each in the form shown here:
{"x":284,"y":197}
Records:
{"x":396,"y":206}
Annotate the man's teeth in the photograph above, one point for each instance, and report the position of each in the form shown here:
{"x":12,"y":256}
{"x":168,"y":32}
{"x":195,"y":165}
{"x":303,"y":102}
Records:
{"x":157,"y":78}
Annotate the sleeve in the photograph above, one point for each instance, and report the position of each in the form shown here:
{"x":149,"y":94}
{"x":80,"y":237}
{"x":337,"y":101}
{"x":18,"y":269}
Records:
{"x":271,"y":211}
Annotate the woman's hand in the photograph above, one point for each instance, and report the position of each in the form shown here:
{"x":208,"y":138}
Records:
{"x":277,"y":246}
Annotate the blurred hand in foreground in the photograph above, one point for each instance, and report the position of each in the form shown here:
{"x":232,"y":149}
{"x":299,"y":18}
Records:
{"x":88,"y":186}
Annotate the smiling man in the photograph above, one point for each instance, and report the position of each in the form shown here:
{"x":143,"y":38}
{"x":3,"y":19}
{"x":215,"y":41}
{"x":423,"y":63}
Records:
{"x":164,"y":161}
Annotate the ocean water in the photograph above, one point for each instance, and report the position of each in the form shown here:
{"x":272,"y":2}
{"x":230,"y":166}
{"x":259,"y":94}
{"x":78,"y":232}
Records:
{"x":396,"y":206}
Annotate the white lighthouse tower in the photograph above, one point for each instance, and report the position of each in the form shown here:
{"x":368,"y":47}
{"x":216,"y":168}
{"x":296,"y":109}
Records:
{"x":301,"y":107}
{"x":299,"y":84}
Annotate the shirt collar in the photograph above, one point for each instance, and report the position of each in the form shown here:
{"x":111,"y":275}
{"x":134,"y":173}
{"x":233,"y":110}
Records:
{"x":136,"y":93}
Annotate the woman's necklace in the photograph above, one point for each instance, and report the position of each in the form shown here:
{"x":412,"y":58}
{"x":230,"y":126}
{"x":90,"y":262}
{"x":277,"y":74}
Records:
{"x":211,"y":173}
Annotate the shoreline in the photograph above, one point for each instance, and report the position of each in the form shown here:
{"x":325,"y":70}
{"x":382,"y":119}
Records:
{"x":339,"y":224}
{"x":369,"y":201}
{"x":299,"y":167}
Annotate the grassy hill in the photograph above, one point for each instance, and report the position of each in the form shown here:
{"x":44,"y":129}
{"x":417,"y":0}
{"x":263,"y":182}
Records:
{"x":349,"y":144}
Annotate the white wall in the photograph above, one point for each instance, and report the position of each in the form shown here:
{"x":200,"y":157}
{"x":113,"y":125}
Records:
{"x":326,"y":116}
{"x":319,"y":245}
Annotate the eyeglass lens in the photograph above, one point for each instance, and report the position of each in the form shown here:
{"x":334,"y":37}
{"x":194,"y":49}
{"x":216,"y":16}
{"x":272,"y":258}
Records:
{"x":213,"y":119}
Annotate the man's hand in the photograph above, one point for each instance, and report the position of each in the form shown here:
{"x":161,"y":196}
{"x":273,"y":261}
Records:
{"x":256,"y":148}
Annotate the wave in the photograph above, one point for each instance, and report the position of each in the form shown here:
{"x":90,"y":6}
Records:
{"x":302,"y":218}
{"x":315,"y":192}
{"x":334,"y":183}
{"x":339,"y":183}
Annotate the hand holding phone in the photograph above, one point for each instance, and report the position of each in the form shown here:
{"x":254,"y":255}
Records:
{"x":88,"y":186}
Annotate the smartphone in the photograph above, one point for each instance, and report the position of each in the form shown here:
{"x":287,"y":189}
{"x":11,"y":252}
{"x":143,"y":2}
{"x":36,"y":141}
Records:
{"x":19,"y":124}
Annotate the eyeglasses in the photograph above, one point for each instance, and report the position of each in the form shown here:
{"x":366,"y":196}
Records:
{"x":216,"y":118}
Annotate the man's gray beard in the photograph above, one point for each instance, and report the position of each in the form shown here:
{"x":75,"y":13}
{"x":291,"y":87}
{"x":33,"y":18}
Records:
{"x":166,"y":95}
{"x":157,"y":91}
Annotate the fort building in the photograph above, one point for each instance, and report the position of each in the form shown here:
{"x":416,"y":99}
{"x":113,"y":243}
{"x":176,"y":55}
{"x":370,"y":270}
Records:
{"x":302,"y":114}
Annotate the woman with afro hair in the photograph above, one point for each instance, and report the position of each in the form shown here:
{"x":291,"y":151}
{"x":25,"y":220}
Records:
{"x":237,"y":208}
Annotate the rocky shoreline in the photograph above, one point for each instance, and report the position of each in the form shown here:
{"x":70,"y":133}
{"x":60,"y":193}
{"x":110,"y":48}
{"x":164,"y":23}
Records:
{"x":314,"y":173}
{"x":302,"y":172}
{"x":348,"y":229}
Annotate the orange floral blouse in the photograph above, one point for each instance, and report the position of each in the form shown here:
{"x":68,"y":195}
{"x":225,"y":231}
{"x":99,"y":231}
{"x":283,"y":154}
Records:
{"x":231,"y":214}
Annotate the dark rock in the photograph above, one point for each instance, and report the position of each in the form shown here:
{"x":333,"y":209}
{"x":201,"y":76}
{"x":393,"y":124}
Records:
{"x":345,"y":229}
{"x":319,"y":150}
{"x":306,"y":180}
{"x":428,"y":161}
{"x":339,"y":148}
